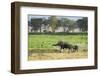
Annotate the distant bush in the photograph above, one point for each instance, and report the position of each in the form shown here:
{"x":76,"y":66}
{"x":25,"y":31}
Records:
{"x":57,"y":33}
{"x":44,"y":31}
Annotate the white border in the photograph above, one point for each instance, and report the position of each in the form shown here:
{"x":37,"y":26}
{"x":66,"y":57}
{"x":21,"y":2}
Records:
{"x":25,"y":64}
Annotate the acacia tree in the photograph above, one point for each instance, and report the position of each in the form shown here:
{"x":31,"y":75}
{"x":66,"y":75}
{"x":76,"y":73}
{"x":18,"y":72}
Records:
{"x":83,"y":24}
{"x":53,"y":22}
{"x":36,"y":23}
{"x":67,"y":23}
{"x":45,"y":23}
{"x":71,"y":25}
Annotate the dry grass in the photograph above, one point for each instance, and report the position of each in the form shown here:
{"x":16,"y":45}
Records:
{"x":55,"y":56}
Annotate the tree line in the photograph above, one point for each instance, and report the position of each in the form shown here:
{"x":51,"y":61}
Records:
{"x":54,"y":23}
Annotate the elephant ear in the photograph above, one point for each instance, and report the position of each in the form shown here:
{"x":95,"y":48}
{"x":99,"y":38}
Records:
{"x":61,"y":42}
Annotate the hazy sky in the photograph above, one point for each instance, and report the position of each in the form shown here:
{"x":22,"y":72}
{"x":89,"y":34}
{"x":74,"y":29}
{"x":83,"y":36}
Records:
{"x":69,"y":17}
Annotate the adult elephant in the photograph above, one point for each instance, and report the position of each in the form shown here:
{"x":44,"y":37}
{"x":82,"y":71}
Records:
{"x":65,"y":45}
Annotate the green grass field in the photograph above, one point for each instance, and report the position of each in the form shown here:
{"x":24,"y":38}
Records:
{"x":40,"y":46}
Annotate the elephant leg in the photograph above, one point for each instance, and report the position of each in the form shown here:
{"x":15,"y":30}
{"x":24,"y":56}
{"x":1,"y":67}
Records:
{"x":62,"y":50}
